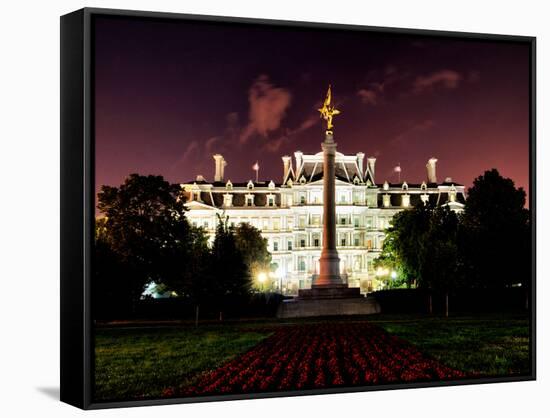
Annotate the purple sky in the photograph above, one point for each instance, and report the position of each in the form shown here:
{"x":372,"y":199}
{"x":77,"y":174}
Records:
{"x":169,"y":94}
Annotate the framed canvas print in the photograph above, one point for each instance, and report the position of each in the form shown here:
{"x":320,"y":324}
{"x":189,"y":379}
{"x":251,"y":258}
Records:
{"x":256,"y":208}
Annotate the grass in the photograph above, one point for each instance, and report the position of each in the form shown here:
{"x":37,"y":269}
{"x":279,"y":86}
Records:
{"x":140,"y":362}
{"x":487,"y":345}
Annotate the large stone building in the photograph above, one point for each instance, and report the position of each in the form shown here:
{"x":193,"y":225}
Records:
{"x":289,"y":213}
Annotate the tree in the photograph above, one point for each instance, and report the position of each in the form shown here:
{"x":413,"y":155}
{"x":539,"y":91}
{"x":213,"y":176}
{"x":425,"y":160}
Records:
{"x":403,"y":239}
{"x":253,"y":247}
{"x":495,"y":234}
{"x":144,"y":228}
{"x":228,"y":269}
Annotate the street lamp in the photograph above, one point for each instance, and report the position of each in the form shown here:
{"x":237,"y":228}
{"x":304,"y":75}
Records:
{"x":262,"y":277}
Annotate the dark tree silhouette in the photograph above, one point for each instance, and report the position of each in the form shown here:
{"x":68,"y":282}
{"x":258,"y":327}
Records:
{"x":144,"y":229}
{"x":253,"y":247}
{"x":495,"y":233}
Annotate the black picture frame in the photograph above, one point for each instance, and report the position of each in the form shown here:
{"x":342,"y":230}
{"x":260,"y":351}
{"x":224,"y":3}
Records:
{"x":77,"y":203}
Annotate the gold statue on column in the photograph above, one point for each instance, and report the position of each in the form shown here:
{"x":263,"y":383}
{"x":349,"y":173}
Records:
{"x":328,"y":111}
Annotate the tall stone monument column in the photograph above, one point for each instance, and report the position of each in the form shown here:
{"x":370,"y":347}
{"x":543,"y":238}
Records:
{"x":329,"y":263}
{"x":329,"y":295}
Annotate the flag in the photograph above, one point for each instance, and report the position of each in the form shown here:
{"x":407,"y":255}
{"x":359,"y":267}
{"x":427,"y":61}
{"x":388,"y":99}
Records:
{"x":256,"y":166}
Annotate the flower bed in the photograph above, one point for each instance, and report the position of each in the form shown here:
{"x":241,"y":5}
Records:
{"x":321,"y":356}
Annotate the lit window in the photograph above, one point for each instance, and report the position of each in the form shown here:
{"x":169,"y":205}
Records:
{"x":386,"y":200}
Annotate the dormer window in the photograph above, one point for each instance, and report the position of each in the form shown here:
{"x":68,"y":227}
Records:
{"x":270,"y":200}
{"x":386,"y":186}
{"x":302,"y":180}
{"x":355,"y":180}
{"x":249,"y":200}
{"x":423,"y":186}
{"x":405,"y":186}
{"x":424,"y":198}
{"x":271,"y":185}
{"x":250,"y":185}
{"x":227,"y":200}
{"x":452,"y":194}
{"x":369,"y":183}
{"x":229,"y":185}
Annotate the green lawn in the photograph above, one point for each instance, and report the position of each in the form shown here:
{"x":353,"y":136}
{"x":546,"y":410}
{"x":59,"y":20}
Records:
{"x":141,"y":362}
{"x":488,"y":345}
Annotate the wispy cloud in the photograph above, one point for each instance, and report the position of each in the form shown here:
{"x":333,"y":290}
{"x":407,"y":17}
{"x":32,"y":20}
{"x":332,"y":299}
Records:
{"x":368,"y":97}
{"x":448,"y":79}
{"x":274,"y":145}
{"x":268,"y":105}
{"x":380,"y":83}
{"x":411,"y":130}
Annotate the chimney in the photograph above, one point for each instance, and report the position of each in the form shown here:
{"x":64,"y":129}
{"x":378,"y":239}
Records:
{"x":360,"y":157}
{"x":371,"y":161}
{"x":287,"y":161}
{"x":220,"y":166}
{"x":298,"y":156}
{"x":430,"y":168}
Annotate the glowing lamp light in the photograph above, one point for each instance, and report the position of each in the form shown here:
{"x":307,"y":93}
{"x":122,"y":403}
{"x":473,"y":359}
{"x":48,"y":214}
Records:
{"x":262,"y":277}
{"x":393,"y":274}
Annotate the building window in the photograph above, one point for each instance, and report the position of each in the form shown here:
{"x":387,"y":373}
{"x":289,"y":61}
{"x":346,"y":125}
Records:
{"x":302,"y":200}
{"x":343,"y":242}
{"x":249,"y":200}
{"x":271,"y":201}
{"x":316,"y":220}
{"x":356,"y":241}
{"x":342,"y":221}
{"x":386,"y":200}
{"x":369,"y":244}
{"x":302,"y":243}
{"x":424,"y":197}
{"x":275,"y":246}
{"x":301,"y":264}
{"x":316,"y":242}
{"x":405,"y":200}
{"x":227,"y":200}
{"x":302,"y":222}
{"x":342,"y":198}
{"x":289,"y":245}
{"x":276,"y":224}
{"x":356,"y":222}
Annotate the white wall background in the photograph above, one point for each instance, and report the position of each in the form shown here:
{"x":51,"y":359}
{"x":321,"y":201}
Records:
{"x":29,"y":208}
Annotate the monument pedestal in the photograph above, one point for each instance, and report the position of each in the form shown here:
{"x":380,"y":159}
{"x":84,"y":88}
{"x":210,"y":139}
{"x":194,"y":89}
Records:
{"x":328,"y":306}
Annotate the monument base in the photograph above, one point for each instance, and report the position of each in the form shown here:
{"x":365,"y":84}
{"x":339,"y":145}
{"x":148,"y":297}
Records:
{"x":329,"y":292}
{"x":307,"y":306}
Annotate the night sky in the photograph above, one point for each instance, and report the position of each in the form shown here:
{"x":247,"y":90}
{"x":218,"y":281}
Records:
{"x":169,"y":94}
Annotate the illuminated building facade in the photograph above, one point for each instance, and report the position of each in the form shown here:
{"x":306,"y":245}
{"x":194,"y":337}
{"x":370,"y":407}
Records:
{"x":289,"y":213}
